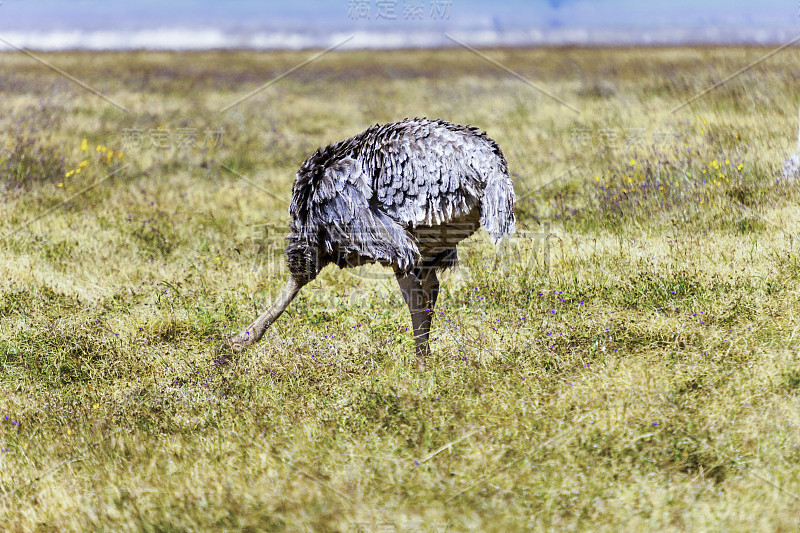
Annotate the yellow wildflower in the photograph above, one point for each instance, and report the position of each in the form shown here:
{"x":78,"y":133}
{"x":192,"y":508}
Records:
{"x":85,"y":145}
{"x":61,"y":184}
{"x":83,"y":163}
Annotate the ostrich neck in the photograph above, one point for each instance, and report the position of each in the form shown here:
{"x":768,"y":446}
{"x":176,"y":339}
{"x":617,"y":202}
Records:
{"x":260,"y":325}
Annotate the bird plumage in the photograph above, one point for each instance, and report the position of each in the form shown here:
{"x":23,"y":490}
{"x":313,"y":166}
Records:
{"x":377,"y":196}
{"x":402,"y":194}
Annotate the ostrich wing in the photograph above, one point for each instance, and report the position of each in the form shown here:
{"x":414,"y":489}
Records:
{"x":433,"y":173}
{"x":348,"y":221}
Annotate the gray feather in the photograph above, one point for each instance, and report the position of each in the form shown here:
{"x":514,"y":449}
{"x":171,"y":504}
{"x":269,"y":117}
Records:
{"x":370,"y":197}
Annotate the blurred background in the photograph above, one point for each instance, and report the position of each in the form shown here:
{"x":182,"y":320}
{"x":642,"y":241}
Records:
{"x":182,"y":25}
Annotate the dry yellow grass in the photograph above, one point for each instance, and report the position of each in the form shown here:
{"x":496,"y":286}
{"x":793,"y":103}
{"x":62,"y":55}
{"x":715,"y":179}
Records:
{"x":629,"y":362}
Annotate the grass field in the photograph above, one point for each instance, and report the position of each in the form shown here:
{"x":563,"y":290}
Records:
{"x":628,"y":362}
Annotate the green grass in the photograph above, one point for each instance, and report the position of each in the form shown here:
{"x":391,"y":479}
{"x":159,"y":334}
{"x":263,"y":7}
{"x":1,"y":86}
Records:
{"x":628,"y":362}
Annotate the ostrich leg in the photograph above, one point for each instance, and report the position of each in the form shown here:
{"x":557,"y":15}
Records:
{"x":420,"y":296}
{"x":430,"y":287}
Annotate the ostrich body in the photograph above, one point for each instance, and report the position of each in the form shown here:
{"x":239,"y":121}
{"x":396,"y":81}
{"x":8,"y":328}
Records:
{"x":401,"y":194}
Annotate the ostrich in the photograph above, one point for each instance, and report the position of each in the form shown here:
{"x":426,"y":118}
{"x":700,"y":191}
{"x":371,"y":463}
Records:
{"x":401,"y":194}
{"x":792,"y":164}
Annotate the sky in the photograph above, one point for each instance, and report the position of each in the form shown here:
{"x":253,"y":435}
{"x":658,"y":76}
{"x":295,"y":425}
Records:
{"x":239,"y":21}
